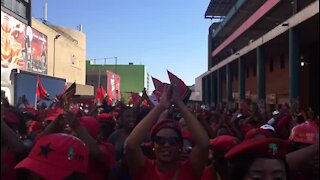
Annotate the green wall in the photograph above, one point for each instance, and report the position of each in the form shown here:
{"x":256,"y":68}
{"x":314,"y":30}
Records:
{"x":132,"y":77}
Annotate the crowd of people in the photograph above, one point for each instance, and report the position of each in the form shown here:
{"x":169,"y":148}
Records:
{"x":166,"y":141}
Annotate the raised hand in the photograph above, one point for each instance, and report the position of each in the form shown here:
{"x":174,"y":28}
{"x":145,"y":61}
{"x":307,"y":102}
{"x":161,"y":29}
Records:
{"x":176,"y":96}
{"x":165,"y":100}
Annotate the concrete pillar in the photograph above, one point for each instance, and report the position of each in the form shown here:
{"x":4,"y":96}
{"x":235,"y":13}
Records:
{"x":261,"y":80}
{"x":219,"y":86}
{"x":214,"y":90}
{"x":294,"y":65}
{"x":229,"y":84}
{"x":209,"y":89}
{"x":204,"y":90}
{"x":242,"y":78}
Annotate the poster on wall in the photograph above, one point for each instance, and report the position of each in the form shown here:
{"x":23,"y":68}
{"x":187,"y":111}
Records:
{"x":22,"y":48}
{"x":113,"y":85}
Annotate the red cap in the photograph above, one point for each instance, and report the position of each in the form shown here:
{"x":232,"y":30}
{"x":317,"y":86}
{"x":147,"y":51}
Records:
{"x":223,"y":143}
{"x":260,"y":147}
{"x":253,"y":132}
{"x":91,"y":124}
{"x":105,"y":117}
{"x":304,"y":133}
{"x":53,"y":114}
{"x":165,"y":124}
{"x":57,"y":156}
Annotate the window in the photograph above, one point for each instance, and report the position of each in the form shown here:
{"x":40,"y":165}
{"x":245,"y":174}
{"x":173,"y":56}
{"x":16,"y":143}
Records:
{"x":271,"y":65}
{"x":254,"y":70}
{"x":248,"y":70}
{"x":74,"y":60}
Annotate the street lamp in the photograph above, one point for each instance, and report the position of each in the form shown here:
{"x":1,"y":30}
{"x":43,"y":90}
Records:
{"x":54,"y":51}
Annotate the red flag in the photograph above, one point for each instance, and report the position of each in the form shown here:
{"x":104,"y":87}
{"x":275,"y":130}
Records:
{"x":41,"y":93}
{"x":71,"y":91}
{"x":156,"y":82}
{"x":184,"y":90}
{"x":98,"y":94}
{"x":135,"y":97}
{"x":103,"y":91}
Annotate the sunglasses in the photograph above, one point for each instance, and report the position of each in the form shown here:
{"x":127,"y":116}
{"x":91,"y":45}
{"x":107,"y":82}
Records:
{"x":172,"y":141}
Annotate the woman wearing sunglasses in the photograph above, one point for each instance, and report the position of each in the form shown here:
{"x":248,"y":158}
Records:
{"x":167,"y":143}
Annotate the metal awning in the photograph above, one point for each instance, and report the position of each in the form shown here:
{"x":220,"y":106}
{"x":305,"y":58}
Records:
{"x":219,"y":8}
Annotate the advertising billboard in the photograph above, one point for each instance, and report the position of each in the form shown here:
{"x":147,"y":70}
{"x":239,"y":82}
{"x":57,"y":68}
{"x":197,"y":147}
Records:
{"x":22,"y":48}
{"x":113,"y":85}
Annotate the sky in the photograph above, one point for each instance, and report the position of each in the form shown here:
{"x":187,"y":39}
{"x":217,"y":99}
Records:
{"x":161,"y":34}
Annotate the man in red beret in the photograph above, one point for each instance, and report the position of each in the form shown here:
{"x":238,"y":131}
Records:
{"x":262,"y":158}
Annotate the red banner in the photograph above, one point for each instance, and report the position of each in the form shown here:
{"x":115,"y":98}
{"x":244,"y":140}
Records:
{"x":113,"y":85}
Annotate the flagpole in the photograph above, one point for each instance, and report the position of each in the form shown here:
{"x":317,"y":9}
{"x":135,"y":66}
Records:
{"x":35,"y":102}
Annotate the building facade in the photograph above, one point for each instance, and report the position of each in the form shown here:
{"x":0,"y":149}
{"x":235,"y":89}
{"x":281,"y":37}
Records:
{"x":35,"y":46}
{"x":133,"y":78}
{"x":266,"y":51}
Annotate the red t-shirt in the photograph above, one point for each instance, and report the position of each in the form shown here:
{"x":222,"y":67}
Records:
{"x":210,"y":173}
{"x":8,"y":162}
{"x":150,"y":171}
{"x":99,"y":171}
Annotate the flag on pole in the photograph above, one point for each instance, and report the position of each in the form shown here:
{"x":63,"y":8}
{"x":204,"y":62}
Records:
{"x":184,"y":90}
{"x":135,"y":97}
{"x":103,"y":91}
{"x":156,"y":82}
{"x":71,"y":91}
{"x":41,"y":93}
{"x":98,"y":94}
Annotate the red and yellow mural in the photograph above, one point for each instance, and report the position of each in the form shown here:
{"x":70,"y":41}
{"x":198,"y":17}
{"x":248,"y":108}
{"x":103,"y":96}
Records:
{"x":22,"y":48}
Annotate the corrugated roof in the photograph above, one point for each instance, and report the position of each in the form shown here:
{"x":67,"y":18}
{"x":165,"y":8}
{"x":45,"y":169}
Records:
{"x":219,"y":8}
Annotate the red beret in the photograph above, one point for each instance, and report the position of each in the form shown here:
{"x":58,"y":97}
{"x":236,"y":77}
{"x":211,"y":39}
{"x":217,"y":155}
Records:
{"x":246,"y":128}
{"x":260,"y":147}
{"x":253,"y":132}
{"x":165,"y":124}
{"x":91,"y":124}
{"x":35,"y":126}
{"x":105,"y":117}
{"x":53,"y":114}
{"x":223,"y":143}
{"x":283,"y":122}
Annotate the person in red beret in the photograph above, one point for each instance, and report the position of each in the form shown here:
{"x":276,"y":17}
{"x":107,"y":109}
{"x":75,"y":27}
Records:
{"x":302,"y":136}
{"x":262,"y":158}
{"x":218,"y":166}
{"x":167,"y":142}
{"x":262,"y":132}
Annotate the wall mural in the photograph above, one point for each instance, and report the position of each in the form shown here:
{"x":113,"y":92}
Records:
{"x":22,"y":48}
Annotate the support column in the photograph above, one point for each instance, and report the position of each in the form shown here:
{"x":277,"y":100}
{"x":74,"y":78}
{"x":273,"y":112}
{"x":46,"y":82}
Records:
{"x":204,"y":90}
{"x":219,"y":86}
{"x":229,"y":85}
{"x":294,"y":65}
{"x":213,"y":90}
{"x":242,"y":78}
{"x":209,"y":89}
{"x":261,"y":80}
